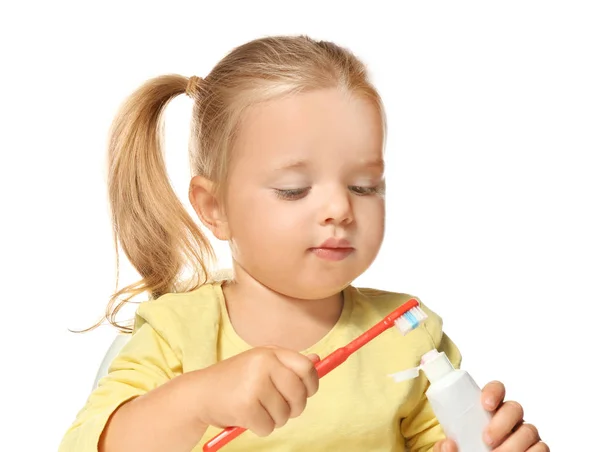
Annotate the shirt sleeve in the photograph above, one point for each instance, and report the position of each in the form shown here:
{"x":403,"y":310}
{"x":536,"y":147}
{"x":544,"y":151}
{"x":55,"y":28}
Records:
{"x":145,"y":362}
{"x":421,"y":428}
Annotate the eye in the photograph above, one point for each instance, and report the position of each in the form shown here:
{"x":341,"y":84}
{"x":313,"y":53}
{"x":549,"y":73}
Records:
{"x":365,"y":191}
{"x":292,"y":194}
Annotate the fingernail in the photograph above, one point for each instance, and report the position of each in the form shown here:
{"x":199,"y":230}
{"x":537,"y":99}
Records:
{"x":446,"y":447}
{"x":489,"y":402}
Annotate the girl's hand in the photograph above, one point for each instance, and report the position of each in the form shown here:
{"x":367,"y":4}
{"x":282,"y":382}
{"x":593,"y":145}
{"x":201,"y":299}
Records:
{"x":507,"y":431}
{"x":260,"y":389}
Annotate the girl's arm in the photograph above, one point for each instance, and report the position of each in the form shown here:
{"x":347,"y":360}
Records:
{"x":139,"y":401}
{"x":163,"y":419}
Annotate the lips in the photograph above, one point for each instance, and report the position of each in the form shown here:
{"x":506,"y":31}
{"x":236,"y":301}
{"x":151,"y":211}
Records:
{"x":332,"y":242}
{"x":333,"y":249}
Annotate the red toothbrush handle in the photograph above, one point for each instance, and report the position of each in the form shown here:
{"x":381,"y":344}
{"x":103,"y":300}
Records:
{"x":323,"y":367}
{"x":337,"y":357}
{"x":227,"y":435}
{"x":331,"y":361}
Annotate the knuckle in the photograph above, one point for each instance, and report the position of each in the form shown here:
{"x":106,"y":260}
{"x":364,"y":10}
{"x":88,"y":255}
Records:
{"x":261,"y":357}
{"x":516,"y":406}
{"x":307,"y":366}
{"x":270,"y":428}
{"x":281,"y":422}
{"x":314,"y":376}
{"x":298,"y":407}
{"x":531,"y":431}
{"x":303,"y":369}
{"x":264,"y":429}
{"x":296,"y":395}
{"x":286,"y":410}
{"x":314,"y":383}
{"x":300,"y":392}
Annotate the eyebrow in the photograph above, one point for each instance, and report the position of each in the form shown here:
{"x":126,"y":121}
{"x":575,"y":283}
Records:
{"x":298,"y":164}
{"x":378,"y":164}
{"x":292,"y":164}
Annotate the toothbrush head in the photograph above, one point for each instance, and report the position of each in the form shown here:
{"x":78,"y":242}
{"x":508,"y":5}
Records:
{"x":410,"y":320}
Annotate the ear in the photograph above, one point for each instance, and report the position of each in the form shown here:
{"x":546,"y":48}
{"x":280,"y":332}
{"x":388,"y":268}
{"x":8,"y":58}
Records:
{"x":208,"y":208}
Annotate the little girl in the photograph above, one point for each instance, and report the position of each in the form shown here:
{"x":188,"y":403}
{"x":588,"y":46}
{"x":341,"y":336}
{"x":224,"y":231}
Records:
{"x":287,"y":158}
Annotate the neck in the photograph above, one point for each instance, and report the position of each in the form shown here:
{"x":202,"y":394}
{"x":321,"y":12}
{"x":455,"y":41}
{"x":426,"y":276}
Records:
{"x":263,"y":316}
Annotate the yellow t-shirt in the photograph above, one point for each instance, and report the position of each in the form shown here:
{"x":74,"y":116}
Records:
{"x":358,"y":407}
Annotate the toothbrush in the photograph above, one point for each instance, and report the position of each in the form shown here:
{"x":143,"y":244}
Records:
{"x":406,"y":318}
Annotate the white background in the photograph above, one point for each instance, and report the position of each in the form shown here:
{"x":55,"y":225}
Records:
{"x":493,"y":162}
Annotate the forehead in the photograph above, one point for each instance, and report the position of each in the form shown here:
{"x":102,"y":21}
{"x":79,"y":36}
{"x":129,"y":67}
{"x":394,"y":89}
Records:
{"x":326,"y":125}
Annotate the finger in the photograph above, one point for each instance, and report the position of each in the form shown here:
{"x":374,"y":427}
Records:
{"x":539,"y":447}
{"x":446,"y":445}
{"x":275,"y":405}
{"x":503,"y":422}
{"x":313,"y":357}
{"x":301,"y":366}
{"x":260,"y":421}
{"x":292,"y":389}
{"x":492,"y":395}
{"x":522,"y":439}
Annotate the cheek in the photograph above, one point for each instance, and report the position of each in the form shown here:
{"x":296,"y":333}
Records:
{"x":372,"y":221}
{"x":260,"y":218}
{"x":372,"y":213}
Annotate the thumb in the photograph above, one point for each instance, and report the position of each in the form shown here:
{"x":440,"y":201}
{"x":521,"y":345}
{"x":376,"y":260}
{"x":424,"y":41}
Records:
{"x":297,"y":363}
{"x":313,"y":357}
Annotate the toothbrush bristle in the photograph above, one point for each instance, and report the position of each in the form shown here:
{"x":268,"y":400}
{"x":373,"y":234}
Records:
{"x":410,"y":320}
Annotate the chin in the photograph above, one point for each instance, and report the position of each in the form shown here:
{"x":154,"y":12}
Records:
{"x":310,"y":283}
{"x":324,"y":287}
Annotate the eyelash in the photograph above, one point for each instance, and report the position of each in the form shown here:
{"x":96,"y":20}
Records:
{"x":299,"y":193}
{"x":293,"y":194}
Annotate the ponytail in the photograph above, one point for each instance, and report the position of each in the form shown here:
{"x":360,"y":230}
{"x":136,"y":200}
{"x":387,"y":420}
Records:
{"x":155,"y":231}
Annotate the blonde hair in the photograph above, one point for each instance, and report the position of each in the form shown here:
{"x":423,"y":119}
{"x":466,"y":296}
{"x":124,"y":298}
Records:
{"x":155,"y":231}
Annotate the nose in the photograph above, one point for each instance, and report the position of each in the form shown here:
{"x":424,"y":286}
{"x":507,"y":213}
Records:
{"x":337,"y":208}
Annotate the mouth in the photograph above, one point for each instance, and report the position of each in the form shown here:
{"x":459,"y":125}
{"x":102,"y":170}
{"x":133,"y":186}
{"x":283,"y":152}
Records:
{"x":332,"y":254}
{"x":334,"y":243}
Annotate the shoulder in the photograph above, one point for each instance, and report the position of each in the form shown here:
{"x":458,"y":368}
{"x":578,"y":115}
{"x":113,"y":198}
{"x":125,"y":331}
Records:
{"x":182,"y":313}
{"x":382,"y":302}
{"x":182,"y":304}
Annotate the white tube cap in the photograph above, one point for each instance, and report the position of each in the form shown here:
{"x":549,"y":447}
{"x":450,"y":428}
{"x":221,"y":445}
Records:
{"x":435,"y":365}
